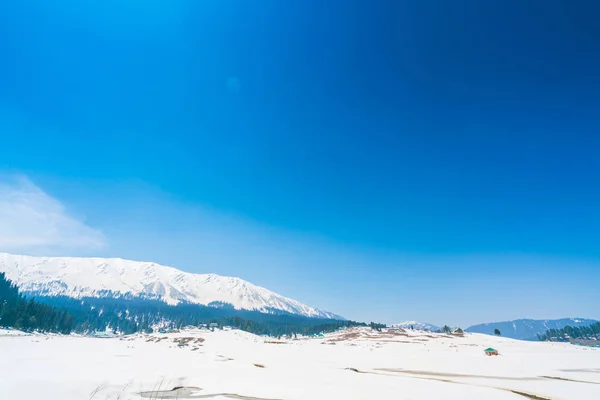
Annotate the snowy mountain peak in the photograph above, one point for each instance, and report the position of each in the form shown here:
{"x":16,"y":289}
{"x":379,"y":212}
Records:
{"x":101,"y":277}
{"x":421,"y":326}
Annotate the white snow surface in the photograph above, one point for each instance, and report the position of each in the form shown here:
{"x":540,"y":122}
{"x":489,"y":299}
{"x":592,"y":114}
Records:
{"x":92,"y":277}
{"x":232,"y":364}
{"x":422,"y":326}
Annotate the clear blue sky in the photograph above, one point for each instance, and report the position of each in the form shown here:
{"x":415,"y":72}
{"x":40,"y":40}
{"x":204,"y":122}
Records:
{"x":427,"y":160}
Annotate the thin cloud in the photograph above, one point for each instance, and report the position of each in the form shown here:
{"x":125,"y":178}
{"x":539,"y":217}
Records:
{"x":31,"y":221}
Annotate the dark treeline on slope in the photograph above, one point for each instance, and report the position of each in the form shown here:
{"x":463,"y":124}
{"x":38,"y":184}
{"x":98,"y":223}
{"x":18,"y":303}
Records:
{"x":572,"y":332}
{"x":129,"y":315}
{"x":142,"y":315}
{"x":29,"y":315}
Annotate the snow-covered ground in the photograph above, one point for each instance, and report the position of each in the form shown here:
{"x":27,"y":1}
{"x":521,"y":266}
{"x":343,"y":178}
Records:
{"x":351,"y":364}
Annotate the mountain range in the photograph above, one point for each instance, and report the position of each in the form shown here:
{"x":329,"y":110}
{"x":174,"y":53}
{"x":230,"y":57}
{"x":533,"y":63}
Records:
{"x":528,"y":329}
{"x":115,"y":278}
{"x":77,"y":277}
{"x":421,"y":326}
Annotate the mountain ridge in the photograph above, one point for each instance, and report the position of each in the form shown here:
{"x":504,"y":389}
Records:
{"x":422,"y":326}
{"x":79,"y":277}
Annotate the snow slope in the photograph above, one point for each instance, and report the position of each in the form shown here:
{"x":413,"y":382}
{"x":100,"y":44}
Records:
{"x":237,"y":365}
{"x":528,"y":329}
{"x":422,"y":326}
{"x":100,"y":277}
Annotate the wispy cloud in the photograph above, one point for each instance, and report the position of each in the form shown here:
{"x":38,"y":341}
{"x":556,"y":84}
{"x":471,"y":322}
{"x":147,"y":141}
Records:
{"x":32,"y":221}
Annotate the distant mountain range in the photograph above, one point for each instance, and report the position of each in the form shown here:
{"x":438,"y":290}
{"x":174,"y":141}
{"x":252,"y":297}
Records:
{"x":117,"y":278}
{"x":421,"y":326}
{"x":528,"y":329}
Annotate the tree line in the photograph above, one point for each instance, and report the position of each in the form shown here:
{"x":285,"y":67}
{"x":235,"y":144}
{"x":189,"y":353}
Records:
{"x":572,"y":332}
{"x":126,"y":315}
{"x":29,"y":315}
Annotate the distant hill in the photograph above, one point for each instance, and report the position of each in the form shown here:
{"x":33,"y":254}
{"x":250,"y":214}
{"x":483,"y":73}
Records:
{"x":422,"y":326}
{"x":528,"y":329}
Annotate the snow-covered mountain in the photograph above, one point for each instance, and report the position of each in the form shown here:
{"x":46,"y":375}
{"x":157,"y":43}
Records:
{"x":421,"y":326}
{"x":112,"y":277}
{"x":528,"y":329}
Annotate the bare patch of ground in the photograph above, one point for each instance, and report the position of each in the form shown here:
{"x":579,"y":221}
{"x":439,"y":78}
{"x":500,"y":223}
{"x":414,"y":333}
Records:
{"x":381,"y":336}
{"x":528,"y":395}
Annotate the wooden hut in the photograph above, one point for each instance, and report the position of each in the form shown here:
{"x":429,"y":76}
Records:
{"x":491,"y":351}
{"x":458,"y":332}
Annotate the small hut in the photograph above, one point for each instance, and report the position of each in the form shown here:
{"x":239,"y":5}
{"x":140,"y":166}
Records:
{"x":491,"y":351}
{"x":458,"y":332}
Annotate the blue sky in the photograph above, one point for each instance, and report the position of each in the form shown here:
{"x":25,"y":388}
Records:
{"x":425,"y":160}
